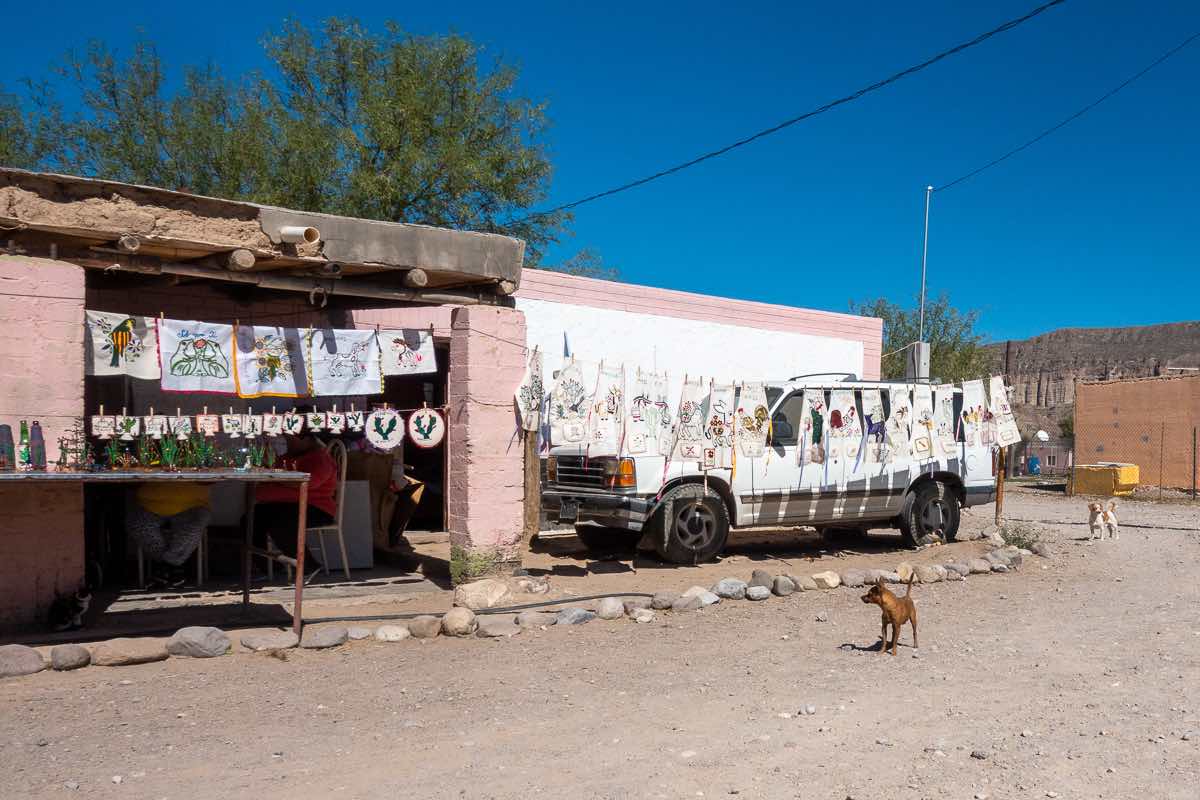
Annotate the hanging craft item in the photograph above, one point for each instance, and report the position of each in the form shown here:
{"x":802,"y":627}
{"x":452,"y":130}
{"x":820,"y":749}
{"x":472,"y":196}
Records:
{"x":252,"y":425}
{"x":813,"y":415}
{"x":344,"y":363}
{"x":104,"y":427}
{"x":690,"y":419}
{"x":335,"y":421}
{"x":293,"y":424}
{"x":356,"y":420}
{"x":181,"y":427}
{"x":845,"y":429}
{"x":923,"y":422}
{"x":944,"y":442}
{"x":530,"y":395}
{"x":196,"y":357}
{"x":606,"y":417}
{"x":315,"y":420}
{"x":120,"y":344}
{"x":899,"y":425}
{"x":640,"y":429}
{"x":426,"y":427}
{"x":128,"y":427}
{"x":1003,"y":420}
{"x":973,"y":410}
{"x":208,"y":424}
{"x":874,"y":450}
{"x":568,"y":407}
{"x":234,"y":425}
{"x":272,"y":424}
{"x":752,"y":422}
{"x":269,"y":362}
{"x":718,"y":430}
{"x":662,"y":422}
{"x":384,"y":428}
{"x":156,"y":426}
{"x":408,"y":352}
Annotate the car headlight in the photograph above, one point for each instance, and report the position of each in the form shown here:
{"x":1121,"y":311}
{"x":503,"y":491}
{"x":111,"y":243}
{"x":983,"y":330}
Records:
{"x":619,"y":473}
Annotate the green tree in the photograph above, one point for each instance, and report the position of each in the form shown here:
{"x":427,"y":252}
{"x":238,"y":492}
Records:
{"x":956,"y":352}
{"x":1066,"y":426}
{"x":384,"y":125}
{"x":587,"y":263}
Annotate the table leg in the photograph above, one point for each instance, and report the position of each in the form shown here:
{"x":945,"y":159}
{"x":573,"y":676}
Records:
{"x":249,"y":531}
{"x":301,"y":528}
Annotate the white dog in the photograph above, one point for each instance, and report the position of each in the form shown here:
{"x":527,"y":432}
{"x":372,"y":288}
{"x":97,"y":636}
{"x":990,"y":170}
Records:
{"x":1109,"y":518}
{"x":1103,"y":520}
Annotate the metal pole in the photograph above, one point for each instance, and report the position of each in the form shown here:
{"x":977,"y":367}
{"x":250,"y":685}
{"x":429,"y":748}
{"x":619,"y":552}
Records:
{"x":924,"y":258}
{"x":1193,"y":463}
{"x":1162,"y":446}
{"x":1001,"y":465}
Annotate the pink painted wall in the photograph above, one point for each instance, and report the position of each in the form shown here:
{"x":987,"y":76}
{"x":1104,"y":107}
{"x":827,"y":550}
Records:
{"x":486,"y":491}
{"x":41,"y":378}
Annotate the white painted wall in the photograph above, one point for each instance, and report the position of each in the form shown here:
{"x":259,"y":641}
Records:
{"x":678,"y":346}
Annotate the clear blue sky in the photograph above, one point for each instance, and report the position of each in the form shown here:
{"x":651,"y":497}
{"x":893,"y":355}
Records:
{"x":1097,"y":225}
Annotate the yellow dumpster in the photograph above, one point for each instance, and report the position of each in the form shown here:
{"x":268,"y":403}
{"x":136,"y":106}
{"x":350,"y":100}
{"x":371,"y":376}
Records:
{"x":1104,"y":480}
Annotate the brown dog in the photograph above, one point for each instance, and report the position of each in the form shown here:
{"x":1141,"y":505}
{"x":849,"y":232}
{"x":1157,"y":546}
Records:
{"x":896,"y":612}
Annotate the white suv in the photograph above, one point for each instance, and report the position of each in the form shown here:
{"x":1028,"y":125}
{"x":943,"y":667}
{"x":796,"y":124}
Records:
{"x":686,"y":515}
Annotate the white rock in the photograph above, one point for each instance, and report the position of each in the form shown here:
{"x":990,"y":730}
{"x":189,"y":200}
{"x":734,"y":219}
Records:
{"x":391,"y":633}
{"x":610,"y":608}
{"x":827,"y":580}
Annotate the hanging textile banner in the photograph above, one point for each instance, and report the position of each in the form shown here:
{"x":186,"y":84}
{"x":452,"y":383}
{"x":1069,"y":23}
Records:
{"x":426,"y":428}
{"x":899,"y":426}
{"x":690,"y":417}
{"x":196,"y":357}
{"x":606,"y":417}
{"x":568,"y":407}
{"x":344,"y":363}
{"x":874,"y":427}
{"x":641,"y":434}
{"x":753,"y":420}
{"x":407,"y":352}
{"x":1002,"y":415}
{"x":529,"y":395}
{"x":845,"y":429}
{"x":269,"y":362}
{"x":662,"y":421}
{"x":945,"y":443}
{"x":120,"y":344}
{"x":811,"y":449}
{"x":973,"y":411}
{"x":922,"y":431}
{"x":718,"y":431}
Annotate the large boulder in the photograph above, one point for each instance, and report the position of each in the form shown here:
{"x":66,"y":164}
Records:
{"x":392,"y":633}
{"x":325,"y":636}
{"x":486,"y":593}
{"x":121,"y":652}
{"x":459,"y":622}
{"x":198,"y":642}
{"x":783,"y":585}
{"x":730,"y":589}
{"x":758,"y":593}
{"x":64,"y":657}
{"x":17,"y":659}
{"x":610,"y":608}
{"x":827,"y":580}
{"x":270,"y":640}
{"x":927,"y":574}
{"x":760,"y":577}
{"x":854,"y":578}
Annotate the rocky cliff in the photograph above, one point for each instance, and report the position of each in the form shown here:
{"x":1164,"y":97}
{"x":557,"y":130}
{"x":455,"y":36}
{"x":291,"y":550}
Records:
{"x":1043,"y":370}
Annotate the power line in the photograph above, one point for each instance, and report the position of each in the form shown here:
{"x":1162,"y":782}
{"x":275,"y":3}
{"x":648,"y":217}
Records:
{"x":1073,"y":117}
{"x":1007,"y":26}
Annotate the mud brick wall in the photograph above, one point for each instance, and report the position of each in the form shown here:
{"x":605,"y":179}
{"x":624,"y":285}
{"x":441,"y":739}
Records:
{"x":41,"y":378}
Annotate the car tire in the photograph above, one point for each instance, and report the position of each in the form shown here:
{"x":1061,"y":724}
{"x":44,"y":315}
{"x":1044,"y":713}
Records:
{"x":930,"y":508}
{"x":690,"y":525}
{"x":604,"y":541}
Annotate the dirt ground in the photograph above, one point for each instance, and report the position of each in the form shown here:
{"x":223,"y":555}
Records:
{"x":1076,"y":677}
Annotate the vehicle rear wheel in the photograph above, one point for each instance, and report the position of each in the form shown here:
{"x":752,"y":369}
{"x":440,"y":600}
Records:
{"x":929,"y":510}
{"x":602,"y":540}
{"x":690,"y":525}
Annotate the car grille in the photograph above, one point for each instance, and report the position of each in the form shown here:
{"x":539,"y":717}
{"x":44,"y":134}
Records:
{"x":579,"y":472}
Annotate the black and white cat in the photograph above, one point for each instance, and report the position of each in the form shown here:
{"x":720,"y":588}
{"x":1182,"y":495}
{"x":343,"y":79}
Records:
{"x":67,"y":610}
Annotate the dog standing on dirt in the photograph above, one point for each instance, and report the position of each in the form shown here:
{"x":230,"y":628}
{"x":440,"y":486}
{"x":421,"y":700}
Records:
{"x":1103,"y":520}
{"x":1109,"y":518}
{"x":896,"y":612}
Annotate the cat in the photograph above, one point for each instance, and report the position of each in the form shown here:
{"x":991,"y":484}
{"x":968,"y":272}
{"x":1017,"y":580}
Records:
{"x":67,"y":610}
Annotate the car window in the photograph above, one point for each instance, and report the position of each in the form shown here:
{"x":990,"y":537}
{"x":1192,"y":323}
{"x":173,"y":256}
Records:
{"x":785,"y":422}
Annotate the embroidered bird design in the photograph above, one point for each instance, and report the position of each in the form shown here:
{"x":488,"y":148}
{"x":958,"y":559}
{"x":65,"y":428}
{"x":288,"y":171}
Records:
{"x":120,"y":337}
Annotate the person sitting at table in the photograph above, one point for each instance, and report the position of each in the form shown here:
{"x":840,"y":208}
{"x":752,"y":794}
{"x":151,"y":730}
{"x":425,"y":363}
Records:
{"x":166,"y":520}
{"x":276,"y":509}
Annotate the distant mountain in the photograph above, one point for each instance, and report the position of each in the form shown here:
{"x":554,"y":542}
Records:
{"x":1043,"y":370}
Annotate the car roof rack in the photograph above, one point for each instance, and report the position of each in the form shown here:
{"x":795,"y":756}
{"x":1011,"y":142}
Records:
{"x":846,"y":376}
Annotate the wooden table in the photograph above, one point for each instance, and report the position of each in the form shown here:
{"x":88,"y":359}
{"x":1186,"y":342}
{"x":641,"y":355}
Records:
{"x":250,"y":478}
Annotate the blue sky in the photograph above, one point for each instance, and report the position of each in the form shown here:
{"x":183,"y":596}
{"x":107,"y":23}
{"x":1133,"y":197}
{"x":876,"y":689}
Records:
{"x":1098,"y":225}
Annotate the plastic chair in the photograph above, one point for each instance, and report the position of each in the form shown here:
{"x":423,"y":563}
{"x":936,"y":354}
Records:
{"x":337,"y":451}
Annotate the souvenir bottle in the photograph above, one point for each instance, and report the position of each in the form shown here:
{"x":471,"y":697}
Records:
{"x":8,"y":453}
{"x":37,"y":447}
{"x":23,"y":446}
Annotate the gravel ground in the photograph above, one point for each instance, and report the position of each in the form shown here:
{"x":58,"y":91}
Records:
{"x":1075,"y":677}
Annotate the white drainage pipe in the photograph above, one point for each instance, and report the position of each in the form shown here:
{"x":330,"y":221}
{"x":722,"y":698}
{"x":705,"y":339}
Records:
{"x":299,"y":234}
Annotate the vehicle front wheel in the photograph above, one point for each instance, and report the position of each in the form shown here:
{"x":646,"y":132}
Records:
{"x":690,"y":526}
{"x":929,"y":510}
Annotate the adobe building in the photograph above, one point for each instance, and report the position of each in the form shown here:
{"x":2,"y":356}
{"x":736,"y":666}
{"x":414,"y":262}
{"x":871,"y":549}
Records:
{"x":72,"y":244}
